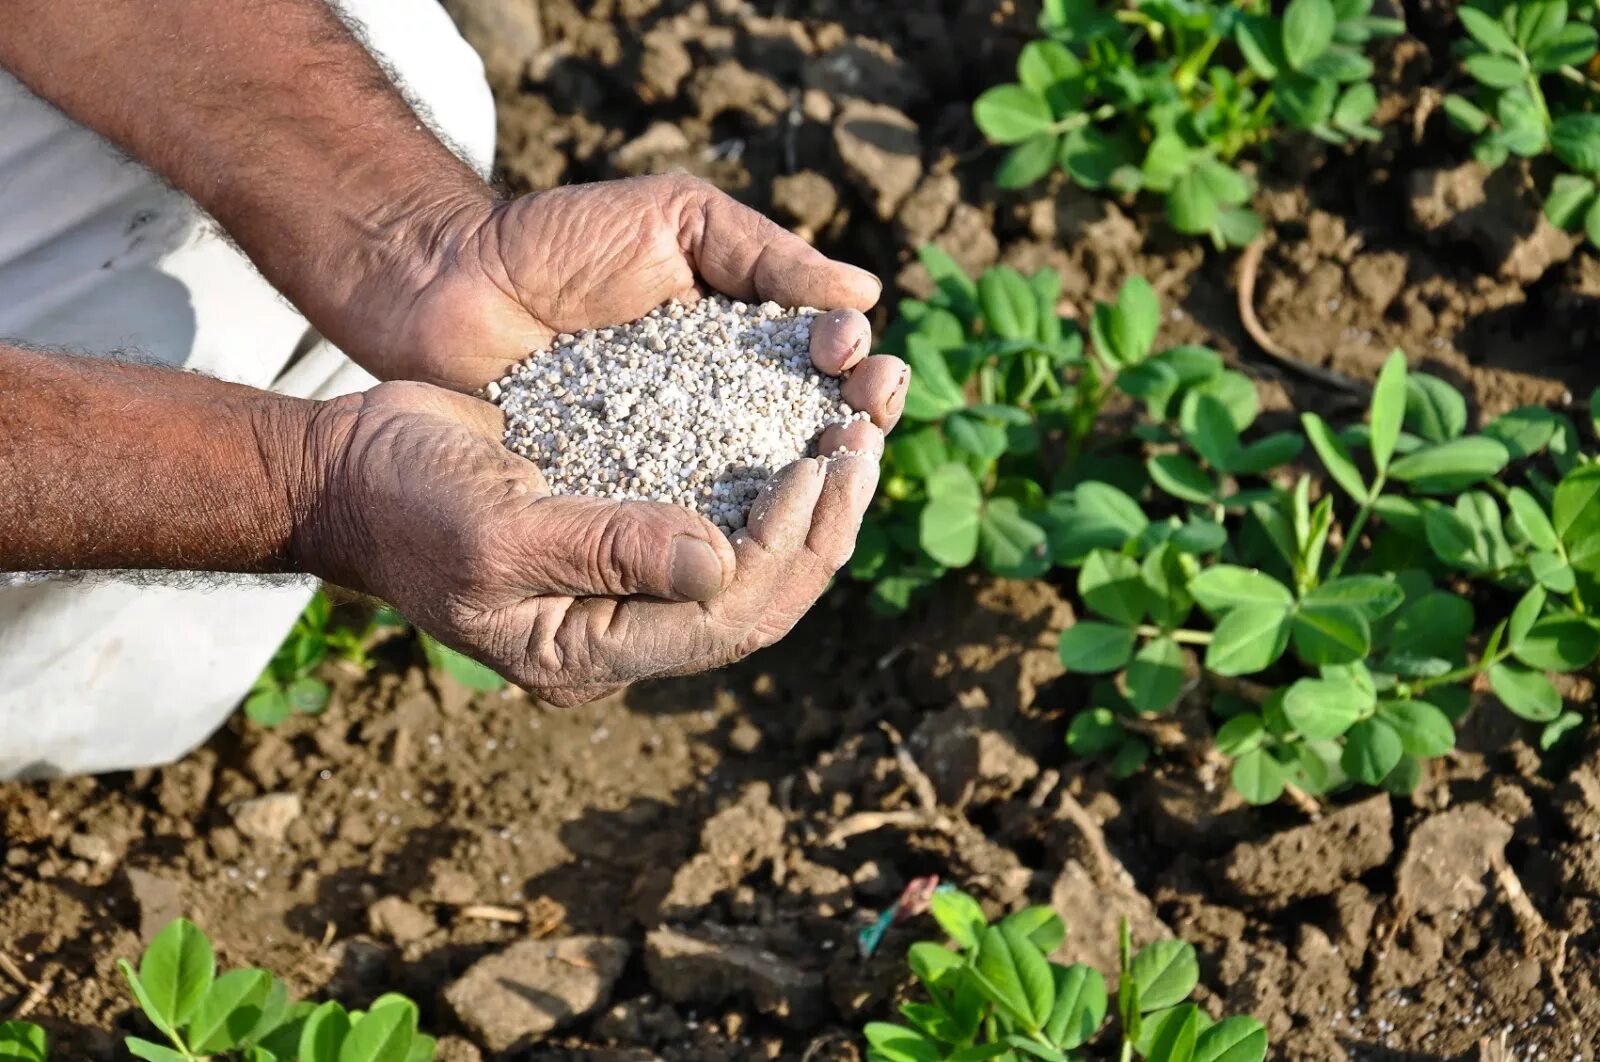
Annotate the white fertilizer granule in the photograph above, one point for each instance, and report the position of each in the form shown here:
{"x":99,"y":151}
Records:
{"x":696,"y":404}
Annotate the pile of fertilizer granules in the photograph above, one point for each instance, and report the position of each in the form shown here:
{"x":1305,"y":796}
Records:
{"x":695,"y":404}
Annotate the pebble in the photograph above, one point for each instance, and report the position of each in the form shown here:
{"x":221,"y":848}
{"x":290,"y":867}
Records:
{"x":695,"y":404}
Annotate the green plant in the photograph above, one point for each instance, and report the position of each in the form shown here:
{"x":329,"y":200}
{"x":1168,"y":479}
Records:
{"x":247,"y":1014}
{"x":22,"y":1041}
{"x":1336,"y":640}
{"x":1003,"y":395}
{"x":1166,"y":95}
{"x":288,"y":684}
{"x":997,"y":995}
{"x":1535,"y":95}
{"x":465,"y":670}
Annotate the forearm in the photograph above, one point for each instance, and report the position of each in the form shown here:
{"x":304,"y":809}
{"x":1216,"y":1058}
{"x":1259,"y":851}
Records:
{"x":272,"y":115}
{"x":108,"y":464}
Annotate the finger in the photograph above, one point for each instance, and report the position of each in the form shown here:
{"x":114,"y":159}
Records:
{"x":839,"y":340}
{"x":595,"y":547}
{"x":846,"y":492}
{"x":743,"y":254}
{"x":781,"y":515}
{"x":855,"y":437}
{"x":878,"y":386}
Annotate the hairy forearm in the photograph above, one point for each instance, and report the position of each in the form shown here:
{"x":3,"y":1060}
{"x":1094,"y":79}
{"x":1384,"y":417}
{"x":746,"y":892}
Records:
{"x":107,"y":464}
{"x":272,"y":115}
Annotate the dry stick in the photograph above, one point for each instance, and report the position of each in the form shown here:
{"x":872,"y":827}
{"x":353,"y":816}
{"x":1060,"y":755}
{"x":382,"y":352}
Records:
{"x":921,"y":786}
{"x":35,"y":997}
{"x":1249,"y":264}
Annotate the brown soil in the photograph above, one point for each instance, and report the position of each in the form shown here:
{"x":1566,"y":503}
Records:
{"x":696,"y":856}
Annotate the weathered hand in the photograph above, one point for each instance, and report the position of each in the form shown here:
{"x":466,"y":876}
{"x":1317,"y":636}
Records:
{"x":568,"y":597}
{"x":501,"y":280}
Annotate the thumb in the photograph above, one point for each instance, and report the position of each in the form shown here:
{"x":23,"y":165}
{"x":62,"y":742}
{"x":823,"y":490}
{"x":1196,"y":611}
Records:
{"x":596,"y":547}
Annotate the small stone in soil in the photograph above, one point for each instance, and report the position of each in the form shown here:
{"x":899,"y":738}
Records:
{"x":697,"y":405}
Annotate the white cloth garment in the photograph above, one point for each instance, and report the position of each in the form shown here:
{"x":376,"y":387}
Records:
{"x":98,"y":255}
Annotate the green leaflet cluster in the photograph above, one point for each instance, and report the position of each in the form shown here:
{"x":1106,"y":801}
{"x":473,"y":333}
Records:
{"x":1165,"y":95}
{"x":289,"y":683}
{"x":1535,"y":95}
{"x":23,"y":1041}
{"x":1004,"y":395}
{"x":1331,"y":666}
{"x":247,"y":1014}
{"x":997,"y":995}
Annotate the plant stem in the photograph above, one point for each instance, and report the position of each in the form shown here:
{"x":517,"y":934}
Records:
{"x":1471,"y":670}
{"x":1127,"y":1052}
{"x":1182,"y":635}
{"x":1356,"y":526}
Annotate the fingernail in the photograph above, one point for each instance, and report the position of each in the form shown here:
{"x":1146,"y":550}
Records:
{"x":696,"y":569}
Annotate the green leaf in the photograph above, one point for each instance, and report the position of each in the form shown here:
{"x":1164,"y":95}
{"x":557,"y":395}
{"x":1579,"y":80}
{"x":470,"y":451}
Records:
{"x":1028,"y":162}
{"x":1179,"y":476}
{"x":1552,"y":572}
{"x":1267,"y":453}
{"x":229,"y":1012}
{"x":948,"y":524}
{"x":1100,"y":515}
{"x":152,"y":1052}
{"x":1249,"y":638}
{"x":1008,"y":303}
{"x":1135,"y":317}
{"x":1556,"y":730}
{"x":1016,"y":976}
{"x":896,"y":1043}
{"x":324,"y":1033}
{"x":1010,"y":114}
{"x":1043,"y":64}
{"x":1164,"y":973}
{"x":177,"y":970}
{"x":465,"y":670}
{"x":1495,"y":71}
{"x":1208,"y":427}
{"x":1013,"y":546}
{"x":1525,"y":692}
{"x":307,"y":695}
{"x":1574,"y":45}
{"x":1331,"y":634}
{"x":1236,"y":1039}
{"x":1258,"y":776}
{"x":1307,"y":30}
{"x":933,"y":392}
{"x":959,"y":916}
{"x":1557,"y":643}
{"x":1094,"y":732}
{"x":1434,"y":410}
{"x":1436,"y":624}
{"x":1466,"y":115}
{"x":1450,"y":466}
{"x":1192,"y":206}
{"x":1130,"y":757}
{"x":1096,"y":648}
{"x":1335,"y":458}
{"x":1575,"y":510}
{"x":1371,"y":751}
{"x":1091,"y":157}
{"x":1570,"y":198}
{"x":1486,"y":30}
{"x":1112,"y":585}
{"x":1222,"y":587}
{"x":268,"y":707}
{"x":1080,"y":1005}
{"x":1155,"y":677}
{"x":1575,"y":139}
{"x":1374,"y":596}
{"x":1041,"y":925}
{"x":1528,"y":515}
{"x":1326,"y":707}
{"x":383,"y":1034}
{"x":974,"y":435}
{"x":1424,"y":730}
{"x":22,"y":1041}
{"x":1388,"y":409}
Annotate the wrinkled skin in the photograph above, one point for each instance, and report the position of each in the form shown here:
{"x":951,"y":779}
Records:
{"x":572,"y":597}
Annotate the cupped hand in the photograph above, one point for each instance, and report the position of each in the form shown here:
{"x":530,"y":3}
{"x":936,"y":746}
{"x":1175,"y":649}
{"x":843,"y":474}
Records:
{"x":569,"y":597}
{"x":502,"y":280}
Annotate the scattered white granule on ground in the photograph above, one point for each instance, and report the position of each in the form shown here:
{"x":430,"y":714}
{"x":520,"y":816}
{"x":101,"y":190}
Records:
{"x":696,"y":404}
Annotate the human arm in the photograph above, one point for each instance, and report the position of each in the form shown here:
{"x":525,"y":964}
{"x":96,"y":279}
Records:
{"x":406,"y":493}
{"x":393,"y":248}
